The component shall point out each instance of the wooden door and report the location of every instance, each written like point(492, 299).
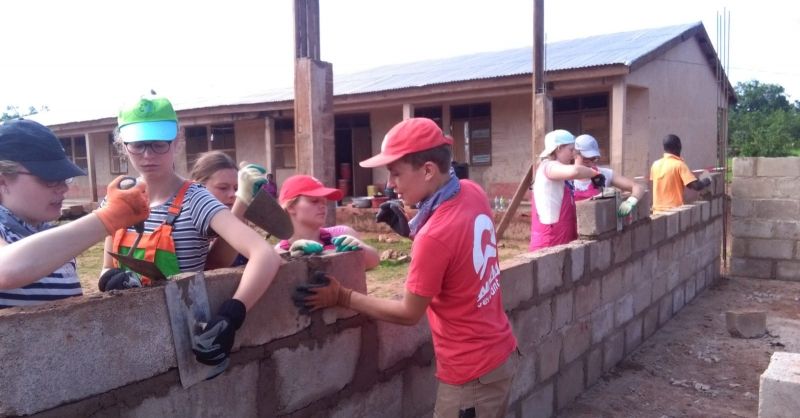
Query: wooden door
point(362, 149)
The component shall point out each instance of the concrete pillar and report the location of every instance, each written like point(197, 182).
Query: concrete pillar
point(618, 97)
point(269, 143)
point(408, 111)
point(313, 121)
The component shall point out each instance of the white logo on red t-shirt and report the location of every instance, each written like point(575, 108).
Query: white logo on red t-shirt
point(484, 258)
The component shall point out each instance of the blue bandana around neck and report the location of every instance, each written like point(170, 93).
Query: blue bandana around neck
point(427, 206)
point(18, 226)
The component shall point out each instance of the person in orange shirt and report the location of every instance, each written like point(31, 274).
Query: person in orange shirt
point(670, 175)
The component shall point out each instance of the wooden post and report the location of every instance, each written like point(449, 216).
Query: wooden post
point(408, 111)
point(313, 100)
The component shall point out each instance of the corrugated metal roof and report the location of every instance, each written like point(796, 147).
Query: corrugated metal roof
point(622, 48)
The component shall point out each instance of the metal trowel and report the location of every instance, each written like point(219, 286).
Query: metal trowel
point(189, 312)
point(267, 214)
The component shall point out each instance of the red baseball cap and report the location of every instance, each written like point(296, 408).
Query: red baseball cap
point(303, 185)
point(409, 136)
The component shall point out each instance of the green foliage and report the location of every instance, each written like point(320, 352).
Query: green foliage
point(763, 123)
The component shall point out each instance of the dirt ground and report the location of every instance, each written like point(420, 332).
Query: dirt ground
point(692, 367)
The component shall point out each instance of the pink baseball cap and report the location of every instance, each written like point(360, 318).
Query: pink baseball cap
point(409, 136)
point(304, 185)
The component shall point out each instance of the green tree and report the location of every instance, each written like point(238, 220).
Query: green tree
point(763, 122)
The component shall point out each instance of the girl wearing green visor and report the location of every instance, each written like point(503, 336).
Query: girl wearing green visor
point(183, 216)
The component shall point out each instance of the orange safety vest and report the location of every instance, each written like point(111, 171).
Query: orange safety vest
point(158, 246)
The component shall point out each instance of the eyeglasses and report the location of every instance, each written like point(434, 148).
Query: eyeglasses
point(50, 184)
point(139, 147)
point(592, 160)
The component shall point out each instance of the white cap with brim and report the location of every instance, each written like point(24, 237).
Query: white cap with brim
point(165, 130)
point(554, 139)
point(587, 146)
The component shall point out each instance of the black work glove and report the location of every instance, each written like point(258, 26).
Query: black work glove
point(302, 291)
point(705, 182)
point(213, 344)
point(599, 181)
point(118, 279)
point(392, 214)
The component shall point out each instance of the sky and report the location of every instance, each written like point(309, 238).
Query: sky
point(81, 55)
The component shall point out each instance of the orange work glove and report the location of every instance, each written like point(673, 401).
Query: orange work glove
point(324, 292)
point(123, 208)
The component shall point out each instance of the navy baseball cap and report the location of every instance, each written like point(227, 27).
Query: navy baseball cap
point(38, 150)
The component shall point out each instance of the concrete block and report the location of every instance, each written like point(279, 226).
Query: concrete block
point(678, 299)
point(596, 217)
point(612, 286)
point(381, 400)
point(705, 210)
point(577, 255)
point(748, 267)
point(697, 213)
point(778, 209)
point(539, 404)
point(569, 384)
point(62, 351)
point(665, 309)
point(659, 286)
point(743, 208)
point(577, 338)
point(633, 335)
point(602, 322)
point(348, 267)
point(644, 206)
point(524, 378)
point(650, 265)
point(202, 400)
point(587, 298)
point(641, 237)
point(744, 167)
point(622, 246)
point(673, 276)
point(642, 296)
point(689, 289)
point(788, 270)
point(563, 306)
point(785, 188)
point(739, 246)
point(614, 350)
point(650, 321)
point(632, 275)
point(516, 281)
point(327, 368)
point(419, 391)
point(548, 354)
point(599, 255)
point(752, 188)
point(549, 270)
point(786, 230)
point(778, 167)
point(718, 184)
point(623, 310)
point(685, 217)
point(746, 323)
point(594, 366)
point(658, 228)
point(396, 342)
point(686, 267)
point(274, 315)
point(752, 228)
point(531, 325)
point(673, 223)
point(779, 386)
point(716, 207)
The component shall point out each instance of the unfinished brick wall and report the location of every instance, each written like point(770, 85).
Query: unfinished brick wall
point(576, 310)
point(765, 223)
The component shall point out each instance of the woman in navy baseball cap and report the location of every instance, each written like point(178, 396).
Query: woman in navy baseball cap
point(37, 260)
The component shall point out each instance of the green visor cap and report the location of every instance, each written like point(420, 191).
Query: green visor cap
point(149, 119)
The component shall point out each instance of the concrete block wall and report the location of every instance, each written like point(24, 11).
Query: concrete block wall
point(765, 222)
point(577, 310)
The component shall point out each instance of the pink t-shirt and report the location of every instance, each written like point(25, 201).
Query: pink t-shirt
point(454, 261)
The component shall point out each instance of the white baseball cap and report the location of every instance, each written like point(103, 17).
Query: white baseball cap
point(554, 139)
point(587, 146)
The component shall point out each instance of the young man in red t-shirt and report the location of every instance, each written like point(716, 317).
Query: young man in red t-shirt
point(454, 274)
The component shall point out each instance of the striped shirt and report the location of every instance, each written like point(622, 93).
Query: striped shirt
point(191, 229)
point(60, 284)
